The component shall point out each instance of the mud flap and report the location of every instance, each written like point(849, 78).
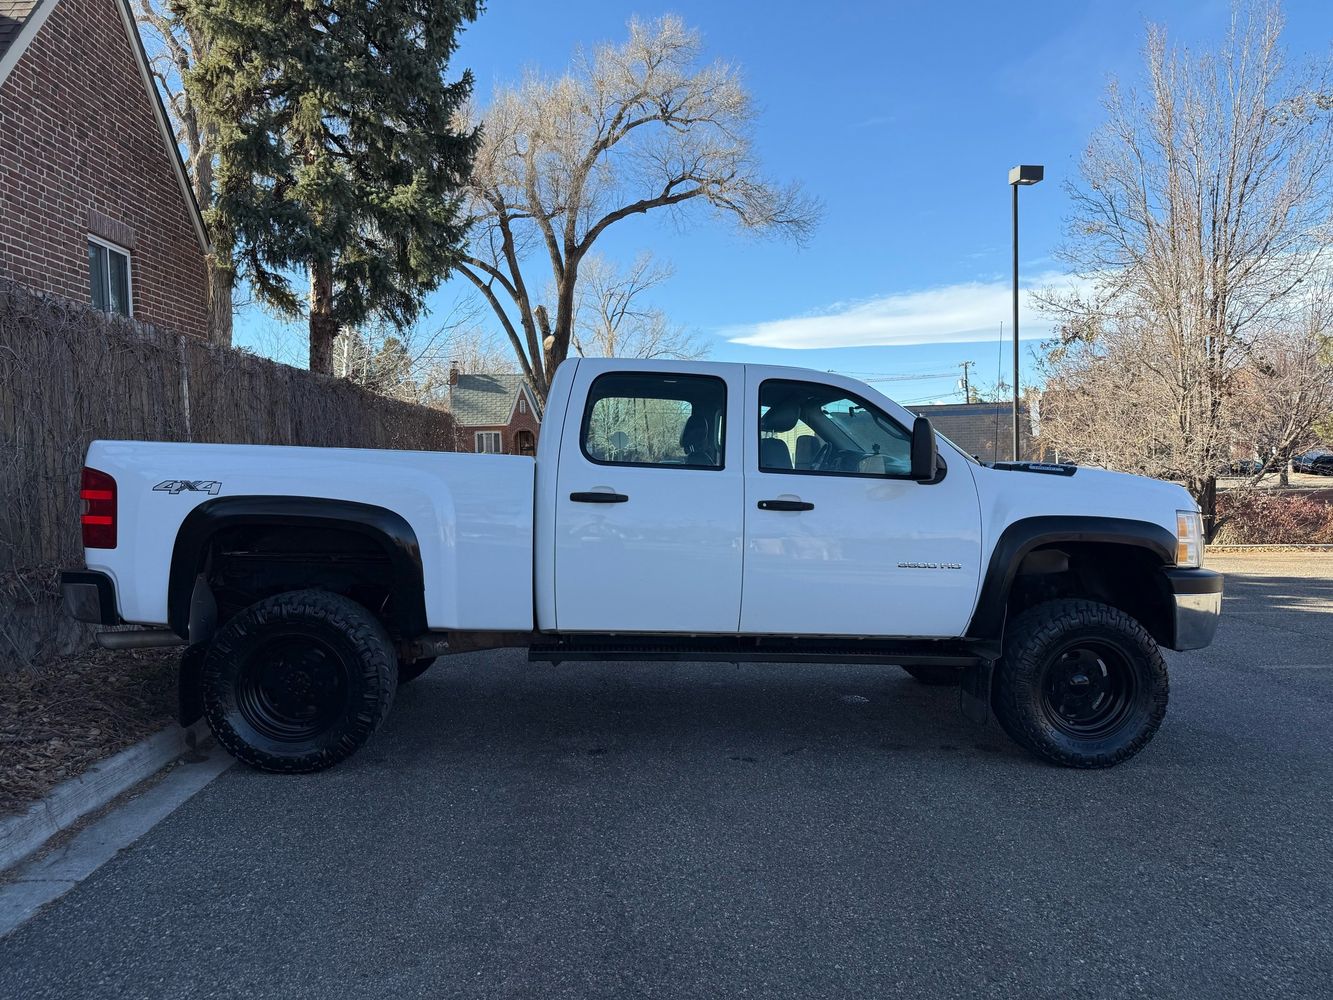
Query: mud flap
point(189, 686)
point(975, 689)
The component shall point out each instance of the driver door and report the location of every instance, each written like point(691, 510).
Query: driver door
point(838, 540)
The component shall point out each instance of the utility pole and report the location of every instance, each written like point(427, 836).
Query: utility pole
point(967, 388)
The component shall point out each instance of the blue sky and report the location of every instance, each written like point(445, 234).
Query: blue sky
point(903, 118)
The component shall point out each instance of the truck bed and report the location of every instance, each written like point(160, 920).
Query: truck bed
point(471, 516)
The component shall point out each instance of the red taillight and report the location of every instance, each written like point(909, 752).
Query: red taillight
point(97, 490)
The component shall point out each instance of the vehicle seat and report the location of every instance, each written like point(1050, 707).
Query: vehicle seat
point(696, 440)
point(773, 454)
point(807, 450)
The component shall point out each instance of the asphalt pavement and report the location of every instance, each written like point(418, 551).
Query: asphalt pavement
point(709, 830)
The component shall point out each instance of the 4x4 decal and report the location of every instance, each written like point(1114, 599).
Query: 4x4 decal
point(174, 486)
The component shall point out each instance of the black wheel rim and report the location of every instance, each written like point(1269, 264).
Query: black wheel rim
point(1089, 689)
point(292, 687)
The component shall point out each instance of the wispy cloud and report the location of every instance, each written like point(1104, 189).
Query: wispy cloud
point(948, 314)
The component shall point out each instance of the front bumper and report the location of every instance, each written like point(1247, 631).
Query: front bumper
point(1197, 604)
point(89, 597)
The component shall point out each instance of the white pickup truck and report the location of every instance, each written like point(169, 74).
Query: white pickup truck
point(675, 510)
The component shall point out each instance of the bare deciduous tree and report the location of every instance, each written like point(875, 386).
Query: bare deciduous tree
point(630, 129)
point(1288, 389)
point(172, 46)
point(612, 321)
point(1204, 206)
point(413, 364)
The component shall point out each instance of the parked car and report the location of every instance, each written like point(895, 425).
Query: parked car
point(675, 510)
point(1241, 467)
point(1313, 462)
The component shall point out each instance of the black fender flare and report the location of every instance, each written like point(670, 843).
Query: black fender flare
point(191, 613)
point(1026, 534)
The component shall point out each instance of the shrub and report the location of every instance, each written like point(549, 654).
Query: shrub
point(1272, 518)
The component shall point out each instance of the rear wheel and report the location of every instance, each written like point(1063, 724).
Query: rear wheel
point(298, 681)
point(1081, 684)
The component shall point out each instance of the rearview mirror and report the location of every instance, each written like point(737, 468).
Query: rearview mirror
point(924, 459)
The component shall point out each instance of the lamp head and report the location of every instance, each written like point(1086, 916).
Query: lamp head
point(1027, 173)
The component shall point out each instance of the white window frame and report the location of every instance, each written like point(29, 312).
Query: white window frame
point(129, 270)
point(497, 438)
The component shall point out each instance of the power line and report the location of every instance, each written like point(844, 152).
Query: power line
point(904, 378)
point(928, 399)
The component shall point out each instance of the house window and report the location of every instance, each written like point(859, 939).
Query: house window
point(488, 443)
point(522, 405)
point(109, 275)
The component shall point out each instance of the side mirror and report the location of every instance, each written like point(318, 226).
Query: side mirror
point(924, 459)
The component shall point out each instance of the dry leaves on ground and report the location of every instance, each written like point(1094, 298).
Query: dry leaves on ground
point(56, 723)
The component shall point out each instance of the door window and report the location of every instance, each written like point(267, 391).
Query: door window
point(811, 429)
point(655, 419)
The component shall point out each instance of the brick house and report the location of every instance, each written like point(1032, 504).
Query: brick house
point(983, 430)
point(496, 414)
point(95, 204)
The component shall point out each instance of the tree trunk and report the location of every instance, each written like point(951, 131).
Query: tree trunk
point(323, 327)
point(1208, 506)
point(564, 320)
point(220, 278)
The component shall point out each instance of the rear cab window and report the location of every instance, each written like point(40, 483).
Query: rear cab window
point(655, 420)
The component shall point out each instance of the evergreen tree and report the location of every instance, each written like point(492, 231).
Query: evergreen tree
point(338, 151)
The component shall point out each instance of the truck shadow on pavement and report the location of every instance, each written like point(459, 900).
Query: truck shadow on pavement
point(498, 703)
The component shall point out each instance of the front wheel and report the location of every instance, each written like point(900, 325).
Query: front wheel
point(298, 681)
point(1081, 684)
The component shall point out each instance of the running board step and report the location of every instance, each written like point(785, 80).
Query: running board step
point(759, 649)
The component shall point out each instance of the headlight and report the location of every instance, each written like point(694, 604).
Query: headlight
point(1189, 539)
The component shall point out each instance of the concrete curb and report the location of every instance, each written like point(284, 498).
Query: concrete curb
point(70, 801)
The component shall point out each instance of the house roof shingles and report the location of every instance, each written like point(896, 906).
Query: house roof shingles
point(13, 14)
point(484, 400)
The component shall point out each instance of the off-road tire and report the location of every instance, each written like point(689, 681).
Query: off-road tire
point(1038, 646)
point(935, 675)
point(327, 635)
point(410, 670)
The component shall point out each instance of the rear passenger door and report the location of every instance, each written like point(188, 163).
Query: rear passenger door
point(649, 494)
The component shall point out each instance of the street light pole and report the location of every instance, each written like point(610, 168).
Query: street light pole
point(1026, 175)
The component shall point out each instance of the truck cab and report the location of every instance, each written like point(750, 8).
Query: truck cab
point(745, 499)
point(674, 510)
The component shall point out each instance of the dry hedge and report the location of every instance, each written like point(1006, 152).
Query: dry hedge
point(70, 375)
point(1272, 517)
